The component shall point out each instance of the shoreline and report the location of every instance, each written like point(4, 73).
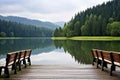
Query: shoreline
point(96, 38)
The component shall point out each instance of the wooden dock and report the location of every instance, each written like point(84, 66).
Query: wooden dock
point(64, 72)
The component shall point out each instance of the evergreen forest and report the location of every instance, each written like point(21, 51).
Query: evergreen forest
point(14, 29)
point(100, 20)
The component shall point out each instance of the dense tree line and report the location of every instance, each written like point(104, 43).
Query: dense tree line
point(100, 20)
point(14, 29)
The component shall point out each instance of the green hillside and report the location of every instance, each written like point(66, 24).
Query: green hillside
point(14, 29)
point(100, 20)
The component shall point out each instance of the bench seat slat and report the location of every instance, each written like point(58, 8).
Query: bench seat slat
point(2, 65)
point(108, 61)
point(100, 58)
point(117, 64)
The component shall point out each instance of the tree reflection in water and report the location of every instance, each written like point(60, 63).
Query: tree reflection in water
point(10, 45)
point(81, 50)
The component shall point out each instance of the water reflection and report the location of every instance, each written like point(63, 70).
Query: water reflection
point(68, 52)
point(10, 45)
point(57, 56)
point(81, 50)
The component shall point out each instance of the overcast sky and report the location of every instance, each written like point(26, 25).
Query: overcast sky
point(46, 10)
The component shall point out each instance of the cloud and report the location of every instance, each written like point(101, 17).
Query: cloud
point(46, 6)
point(50, 10)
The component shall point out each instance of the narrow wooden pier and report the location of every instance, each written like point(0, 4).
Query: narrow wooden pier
point(63, 72)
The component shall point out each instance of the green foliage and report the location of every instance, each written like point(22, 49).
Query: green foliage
point(94, 21)
point(108, 29)
point(14, 29)
point(12, 34)
point(114, 29)
point(77, 30)
point(111, 20)
point(58, 31)
point(2, 34)
point(83, 30)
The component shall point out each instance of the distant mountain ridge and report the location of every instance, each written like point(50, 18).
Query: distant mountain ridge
point(27, 21)
point(61, 24)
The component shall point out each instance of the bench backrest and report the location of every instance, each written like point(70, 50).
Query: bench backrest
point(18, 56)
point(27, 53)
point(116, 56)
point(94, 53)
point(99, 53)
point(22, 55)
point(106, 55)
point(11, 58)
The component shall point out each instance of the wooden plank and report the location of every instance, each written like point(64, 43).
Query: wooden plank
point(70, 72)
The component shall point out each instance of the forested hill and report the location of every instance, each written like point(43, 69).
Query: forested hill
point(14, 29)
point(27, 21)
point(100, 20)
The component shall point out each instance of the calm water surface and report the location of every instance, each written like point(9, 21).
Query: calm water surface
point(47, 51)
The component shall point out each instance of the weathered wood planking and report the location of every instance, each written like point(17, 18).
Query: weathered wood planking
point(69, 72)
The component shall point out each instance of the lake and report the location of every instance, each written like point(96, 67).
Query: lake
point(48, 51)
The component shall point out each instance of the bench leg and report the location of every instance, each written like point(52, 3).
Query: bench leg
point(29, 60)
point(104, 64)
point(19, 64)
point(102, 67)
point(15, 68)
point(94, 60)
point(98, 62)
point(0, 71)
point(6, 71)
point(24, 62)
point(111, 71)
point(12, 66)
point(113, 68)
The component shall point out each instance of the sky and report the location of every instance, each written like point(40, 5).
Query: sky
point(46, 10)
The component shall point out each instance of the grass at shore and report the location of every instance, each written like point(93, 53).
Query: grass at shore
point(97, 38)
point(25, 37)
point(10, 38)
point(88, 38)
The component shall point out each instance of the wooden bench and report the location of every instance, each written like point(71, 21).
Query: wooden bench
point(15, 59)
point(103, 58)
point(115, 57)
point(96, 56)
point(99, 56)
point(27, 56)
point(22, 56)
point(106, 58)
point(10, 61)
point(112, 58)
